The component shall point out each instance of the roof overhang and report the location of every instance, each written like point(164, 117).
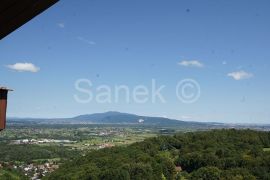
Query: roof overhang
point(15, 13)
point(5, 89)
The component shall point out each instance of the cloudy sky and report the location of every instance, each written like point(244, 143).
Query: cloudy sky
point(222, 45)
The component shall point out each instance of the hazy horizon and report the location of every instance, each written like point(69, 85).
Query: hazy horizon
point(186, 120)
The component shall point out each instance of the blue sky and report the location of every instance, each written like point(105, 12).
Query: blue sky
point(223, 45)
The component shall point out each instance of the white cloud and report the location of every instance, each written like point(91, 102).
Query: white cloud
point(224, 62)
point(86, 40)
point(24, 67)
point(192, 63)
point(61, 25)
point(239, 75)
point(186, 117)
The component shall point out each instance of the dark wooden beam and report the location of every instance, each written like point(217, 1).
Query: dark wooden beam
point(15, 13)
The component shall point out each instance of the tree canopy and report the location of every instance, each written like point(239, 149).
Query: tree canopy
point(206, 155)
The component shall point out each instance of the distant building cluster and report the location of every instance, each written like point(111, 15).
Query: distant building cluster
point(34, 171)
point(40, 141)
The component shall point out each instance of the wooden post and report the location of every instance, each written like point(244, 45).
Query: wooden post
point(3, 107)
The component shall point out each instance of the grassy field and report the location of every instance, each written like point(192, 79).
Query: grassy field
point(82, 139)
point(56, 144)
point(266, 149)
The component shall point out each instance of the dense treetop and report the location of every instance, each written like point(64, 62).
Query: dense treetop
point(216, 154)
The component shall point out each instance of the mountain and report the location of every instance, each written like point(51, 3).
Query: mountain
point(111, 117)
point(118, 118)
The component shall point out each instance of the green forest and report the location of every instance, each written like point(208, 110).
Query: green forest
point(207, 155)
point(26, 153)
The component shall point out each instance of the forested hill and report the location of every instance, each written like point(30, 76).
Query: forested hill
point(217, 154)
point(118, 118)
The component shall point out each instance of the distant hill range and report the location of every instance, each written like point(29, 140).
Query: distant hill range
point(118, 118)
point(125, 118)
